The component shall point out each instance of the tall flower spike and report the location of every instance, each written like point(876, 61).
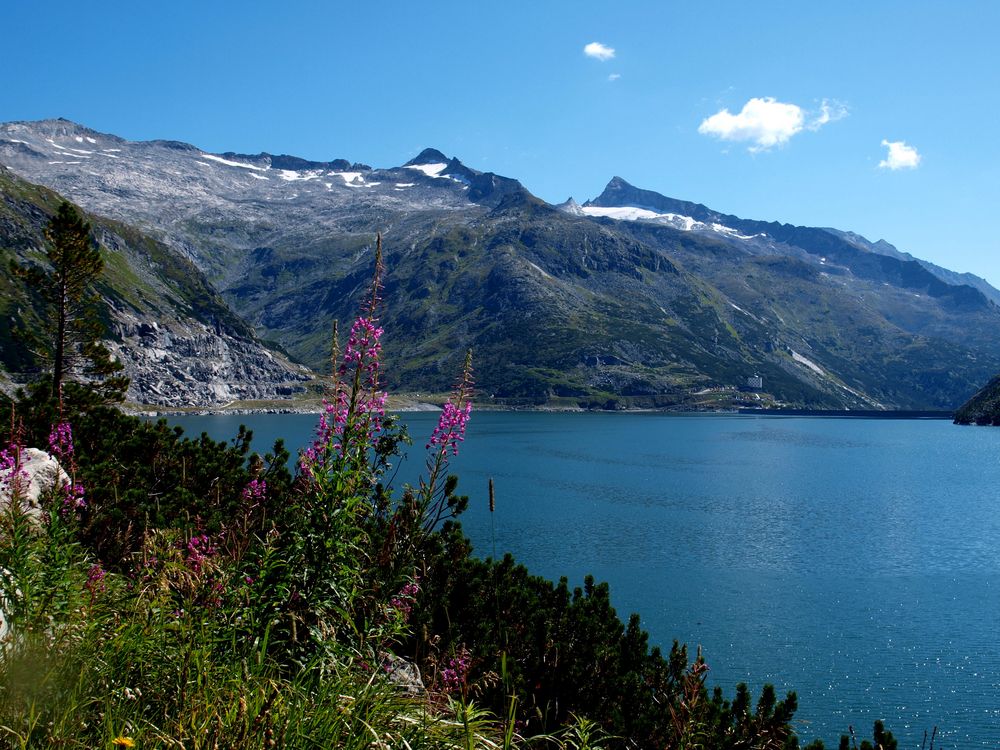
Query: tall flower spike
point(355, 409)
point(450, 430)
point(334, 358)
point(374, 300)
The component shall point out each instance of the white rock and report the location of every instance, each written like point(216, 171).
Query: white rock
point(39, 474)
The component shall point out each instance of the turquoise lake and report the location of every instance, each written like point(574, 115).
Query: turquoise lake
point(855, 561)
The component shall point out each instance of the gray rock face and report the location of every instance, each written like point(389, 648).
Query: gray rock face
point(190, 364)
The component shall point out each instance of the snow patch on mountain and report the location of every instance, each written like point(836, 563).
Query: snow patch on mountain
point(291, 175)
point(808, 363)
point(634, 213)
point(349, 177)
point(228, 163)
point(721, 229)
point(677, 221)
point(431, 170)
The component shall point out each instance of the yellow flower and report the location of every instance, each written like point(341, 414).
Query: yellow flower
point(123, 742)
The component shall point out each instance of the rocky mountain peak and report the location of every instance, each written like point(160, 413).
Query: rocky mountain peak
point(428, 156)
point(570, 206)
point(620, 193)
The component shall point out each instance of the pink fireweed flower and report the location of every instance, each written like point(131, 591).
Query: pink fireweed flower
point(456, 671)
point(254, 492)
point(354, 417)
point(61, 446)
point(61, 441)
point(199, 548)
point(13, 476)
point(73, 497)
point(9, 462)
point(95, 581)
point(403, 601)
point(450, 429)
point(342, 430)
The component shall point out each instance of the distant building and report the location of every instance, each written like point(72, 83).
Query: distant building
point(755, 383)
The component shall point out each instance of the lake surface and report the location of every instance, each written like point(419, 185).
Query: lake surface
point(855, 561)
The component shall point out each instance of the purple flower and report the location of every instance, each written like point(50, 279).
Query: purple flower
point(12, 475)
point(95, 581)
point(450, 430)
point(455, 673)
point(354, 418)
point(199, 549)
point(255, 491)
point(73, 497)
point(403, 601)
point(61, 441)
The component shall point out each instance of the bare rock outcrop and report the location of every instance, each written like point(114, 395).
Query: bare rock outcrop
point(191, 364)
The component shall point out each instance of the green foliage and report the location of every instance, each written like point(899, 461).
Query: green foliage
point(70, 338)
point(141, 475)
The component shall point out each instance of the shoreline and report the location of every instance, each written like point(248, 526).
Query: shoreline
point(407, 405)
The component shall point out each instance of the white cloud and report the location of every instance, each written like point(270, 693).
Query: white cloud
point(764, 121)
point(599, 51)
point(614, 76)
point(828, 112)
point(900, 156)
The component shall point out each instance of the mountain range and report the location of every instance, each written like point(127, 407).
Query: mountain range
point(630, 299)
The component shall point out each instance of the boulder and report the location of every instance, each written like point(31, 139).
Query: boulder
point(39, 473)
point(403, 673)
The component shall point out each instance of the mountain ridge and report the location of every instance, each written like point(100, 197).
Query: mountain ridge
point(631, 299)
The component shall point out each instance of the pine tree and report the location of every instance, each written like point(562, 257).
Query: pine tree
point(70, 339)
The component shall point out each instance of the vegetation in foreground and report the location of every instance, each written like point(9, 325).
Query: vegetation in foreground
point(187, 593)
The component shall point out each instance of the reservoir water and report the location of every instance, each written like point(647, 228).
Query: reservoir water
point(855, 561)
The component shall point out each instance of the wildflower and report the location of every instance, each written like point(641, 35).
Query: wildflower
point(12, 475)
point(61, 441)
point(73, 497)
point(456, 671)
point(403, 601)
point(61, 446)
point(95, 581)
point(450, 429)
point(199, 549)
point(353, 417)
point(255, 491)
point(122, 741)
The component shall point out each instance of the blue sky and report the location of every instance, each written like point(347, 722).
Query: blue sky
point(717, 102)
